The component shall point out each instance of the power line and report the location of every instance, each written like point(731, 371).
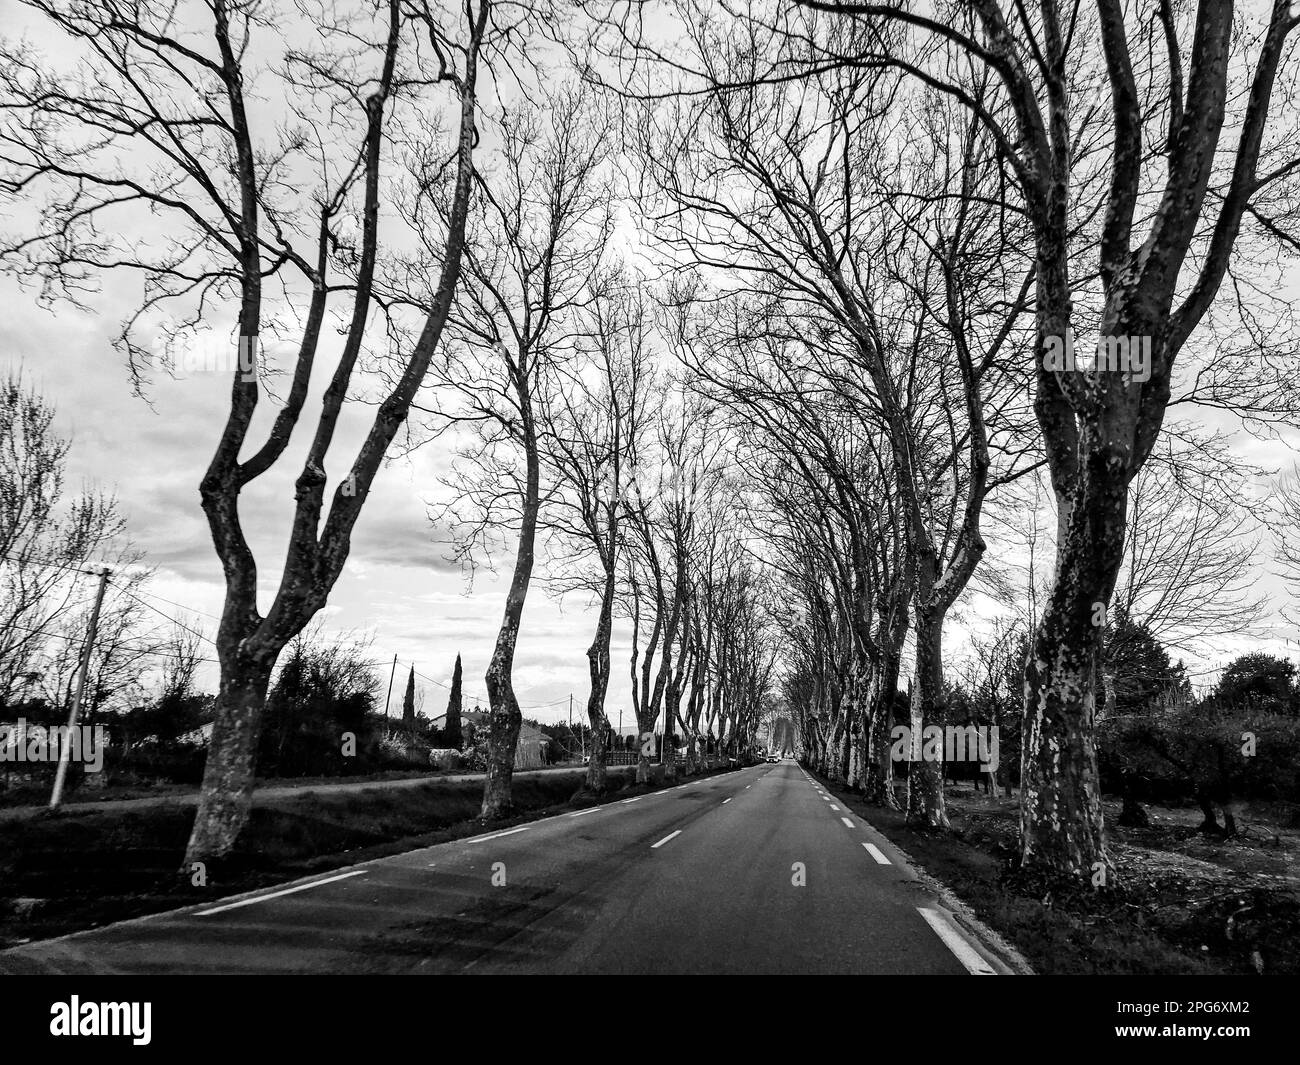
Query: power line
point(121, 646)
point(179, 606)
point(167, 617)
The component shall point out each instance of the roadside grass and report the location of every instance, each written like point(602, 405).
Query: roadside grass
point(1184, 904)
point(61, 872)
point(36, 791)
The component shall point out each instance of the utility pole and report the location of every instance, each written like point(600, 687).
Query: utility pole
point(60, 774)
point(571, 722)
point(389, 696)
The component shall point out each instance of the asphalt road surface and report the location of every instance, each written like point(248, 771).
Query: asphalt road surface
point(756, 871)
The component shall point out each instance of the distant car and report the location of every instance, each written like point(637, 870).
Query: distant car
point(773, 758)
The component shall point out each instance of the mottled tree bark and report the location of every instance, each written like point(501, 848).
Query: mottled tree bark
point(1061, 815)
point(925, 803)
point(504, 717)
point(599, 666)
point(226, 793)
point(879, 784)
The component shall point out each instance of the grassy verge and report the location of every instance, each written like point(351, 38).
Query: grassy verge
point(37, 792)
point(1184, 904)
point(62, 872)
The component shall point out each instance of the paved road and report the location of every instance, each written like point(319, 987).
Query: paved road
point(702, 878)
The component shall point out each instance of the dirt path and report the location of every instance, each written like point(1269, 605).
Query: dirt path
point(262, 795)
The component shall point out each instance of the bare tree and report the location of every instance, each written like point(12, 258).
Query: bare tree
point(594, 423)
point(533, 262)
point(1113, 83)
point(891, 264)
point(1186, 575)
point(46, 538)
point(158, 121)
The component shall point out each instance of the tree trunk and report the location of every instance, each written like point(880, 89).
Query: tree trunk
point(599, 667)
point(226, 794)
point(1209, 819)
point(857, 754)
point(645, 725)
point(1061, 823)
point(672, 702)
point(925, 803)
point(504, 717)
point(879, 786)
point(1229, 822)
point(504, 720)
point(1132, 814)
point(832, 754)
point(845, 751)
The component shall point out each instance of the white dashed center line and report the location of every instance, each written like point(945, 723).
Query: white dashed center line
point(666, 838)
point(835, 808)
point(847, 822)
point(725, 801)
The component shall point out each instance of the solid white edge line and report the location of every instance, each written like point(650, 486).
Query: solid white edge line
point(279, 894)
point(498, 835)
point(666, 838)
point(847, 822)
point(876, 853)
point(969, 957)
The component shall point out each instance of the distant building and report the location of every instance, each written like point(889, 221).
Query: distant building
point(199, 736)
point(533, 742)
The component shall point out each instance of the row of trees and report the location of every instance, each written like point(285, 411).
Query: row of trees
point(896, 222)
point(853, 240)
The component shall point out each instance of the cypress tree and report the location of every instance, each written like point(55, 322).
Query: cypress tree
point(452, 733)
point(408, 707)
